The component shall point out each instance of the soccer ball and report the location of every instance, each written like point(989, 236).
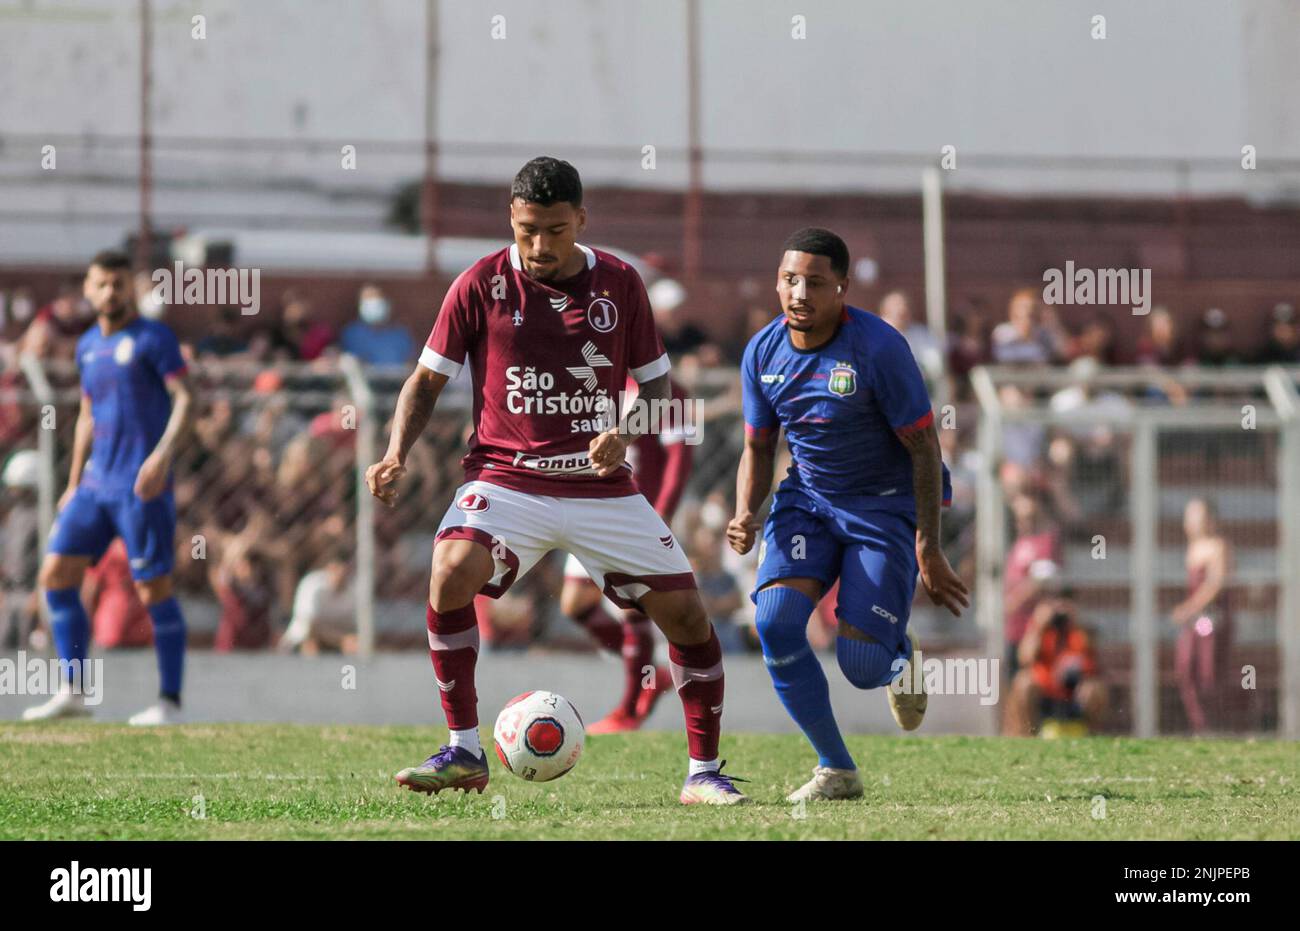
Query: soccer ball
point(539, 736)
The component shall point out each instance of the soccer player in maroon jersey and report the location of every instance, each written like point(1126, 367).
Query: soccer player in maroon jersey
point(661, 463)
point(550, 330)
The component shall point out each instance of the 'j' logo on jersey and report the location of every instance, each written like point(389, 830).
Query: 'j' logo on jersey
point(843, 380)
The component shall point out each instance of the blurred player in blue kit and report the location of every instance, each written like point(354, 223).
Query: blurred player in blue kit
point(136, 407)
point(860, 504)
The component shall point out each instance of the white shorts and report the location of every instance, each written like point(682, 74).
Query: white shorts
point(624, 545)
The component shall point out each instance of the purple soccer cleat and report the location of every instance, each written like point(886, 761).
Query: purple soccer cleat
point(712, 787)
point(449, 768)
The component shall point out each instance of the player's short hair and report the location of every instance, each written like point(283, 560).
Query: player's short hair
point(111, 260)
point(817, 241)
point(546, 181)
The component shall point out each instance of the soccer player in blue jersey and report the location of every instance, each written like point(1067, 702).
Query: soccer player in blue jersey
point(860, 503)
point(135, 409)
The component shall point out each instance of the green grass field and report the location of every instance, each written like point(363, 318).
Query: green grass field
point(80, 781)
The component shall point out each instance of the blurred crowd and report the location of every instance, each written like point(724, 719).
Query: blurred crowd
point(266, 488)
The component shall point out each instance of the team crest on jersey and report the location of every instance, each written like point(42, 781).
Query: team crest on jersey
point(124, 350)
point(473, 502)
point(843, 380)
point(602, 315)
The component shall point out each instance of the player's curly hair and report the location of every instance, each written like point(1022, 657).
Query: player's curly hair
point(817, 241)
point(546, 181)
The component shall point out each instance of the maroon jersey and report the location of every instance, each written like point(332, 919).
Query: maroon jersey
point(548, 362)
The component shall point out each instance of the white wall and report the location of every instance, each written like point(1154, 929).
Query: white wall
point(1176, 79)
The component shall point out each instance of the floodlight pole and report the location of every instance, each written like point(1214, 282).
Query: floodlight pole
point(693, 208)
point(144, 239)
point(429, 185)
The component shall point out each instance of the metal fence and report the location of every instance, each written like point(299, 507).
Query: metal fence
point(1109, 463)
point(271, 484)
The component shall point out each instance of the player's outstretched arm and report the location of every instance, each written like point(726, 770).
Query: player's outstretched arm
point(942, 584)
point(415, 406)
point(83, 434)
point(151, 480)
point(753, 482)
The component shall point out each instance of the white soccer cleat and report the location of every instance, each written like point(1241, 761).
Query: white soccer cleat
point(828, 784)
point(165, 711)
point(65, 704)
point(908, 701)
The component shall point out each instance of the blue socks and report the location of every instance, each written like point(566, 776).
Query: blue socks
point(867, 665)
point(69, 624)
point(169, 644)
point(782, 622)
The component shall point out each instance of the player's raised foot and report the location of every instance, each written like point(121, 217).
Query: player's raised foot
point(907, 698)
point(828, 784)
point(449, 768)
point(646, 701)
point(713, 787)
point(617, 721)
point(165, 711)
point(63, 704)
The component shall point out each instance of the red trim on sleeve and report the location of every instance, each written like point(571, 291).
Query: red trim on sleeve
point(177, 373)
point(758, 433)
point(920, 424)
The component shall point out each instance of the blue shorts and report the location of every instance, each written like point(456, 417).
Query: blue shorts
point(89, 522)
point(872, 553)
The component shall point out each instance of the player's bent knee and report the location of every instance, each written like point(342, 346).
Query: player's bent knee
point(460, 569)
point(577, 598)
point(59, 572)
point(680, 615)
point(154, 591)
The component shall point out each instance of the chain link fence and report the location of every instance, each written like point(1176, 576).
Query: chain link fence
point(1120, 492)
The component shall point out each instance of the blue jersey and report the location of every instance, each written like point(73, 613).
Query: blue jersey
point(124, 375)
point(843, 407)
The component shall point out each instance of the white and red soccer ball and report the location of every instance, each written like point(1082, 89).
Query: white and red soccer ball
point(539, 736)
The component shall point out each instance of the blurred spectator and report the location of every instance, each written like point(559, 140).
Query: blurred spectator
point(147, 302)
point(1033, 561)
point(53, 334)
point(1096, 341)
point(1204, 617)
point(1161, 345)
point(966, 346)
point(225, 339)
point(1024, 338)
point(1216, 347)
point(324, 610)
point(19, 309)
point(666, 297)
point(118, 617)
point(336, 427)
point(371, 338)
point(270, 419)
point(1022, 441)
point(1282, 347)
point(298, 335)
point(19, 554)
point(718, 588)
point(245, 587)
point(897, 312)
point(1058, 672)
